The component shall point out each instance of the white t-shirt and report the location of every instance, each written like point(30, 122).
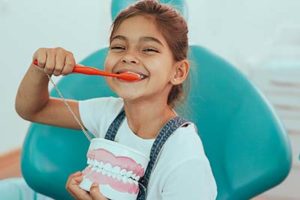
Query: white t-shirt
point(182, 170)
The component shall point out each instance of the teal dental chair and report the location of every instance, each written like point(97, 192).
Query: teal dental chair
point(245, 142)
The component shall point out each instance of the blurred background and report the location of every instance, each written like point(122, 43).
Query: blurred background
point(260, 37)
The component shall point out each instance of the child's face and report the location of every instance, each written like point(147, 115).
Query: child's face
point(138, 46)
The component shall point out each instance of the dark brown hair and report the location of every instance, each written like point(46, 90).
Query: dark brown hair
point(173, 28)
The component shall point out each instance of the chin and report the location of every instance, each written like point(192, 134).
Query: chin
point(128, 97)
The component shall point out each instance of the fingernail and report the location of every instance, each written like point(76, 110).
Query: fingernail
point(94, 185)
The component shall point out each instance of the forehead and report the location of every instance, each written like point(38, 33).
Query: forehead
point(139, 26)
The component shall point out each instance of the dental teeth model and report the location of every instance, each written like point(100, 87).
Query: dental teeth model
point(115, 167)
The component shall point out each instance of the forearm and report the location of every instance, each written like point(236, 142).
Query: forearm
point(33, 93)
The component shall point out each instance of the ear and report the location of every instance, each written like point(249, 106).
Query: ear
point(181, 71)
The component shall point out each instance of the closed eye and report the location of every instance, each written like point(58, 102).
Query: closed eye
point(150, 50)
point(117, 48)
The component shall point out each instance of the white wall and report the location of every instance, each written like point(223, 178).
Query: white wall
point(240, 31)
point(79, 26)
point(234, 29)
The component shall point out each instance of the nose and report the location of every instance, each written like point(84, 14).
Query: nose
point(130, 59)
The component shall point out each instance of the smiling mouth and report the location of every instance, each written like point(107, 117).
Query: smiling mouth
point(141, 75)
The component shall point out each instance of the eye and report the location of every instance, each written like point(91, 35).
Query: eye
point(117, 48)
point(150, 50)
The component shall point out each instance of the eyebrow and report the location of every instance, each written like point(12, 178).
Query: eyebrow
point(142, 39)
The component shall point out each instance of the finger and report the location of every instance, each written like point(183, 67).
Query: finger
point(69, 64)
point(74, 189)
point(79, 193)
point(95, 193)
point(78, 179)
point(59, 61)
point(76, 174)
point(50, 61)
point(40, 56)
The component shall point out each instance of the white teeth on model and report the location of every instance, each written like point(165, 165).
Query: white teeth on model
point(119, 178)
point(107, 167)
point(130, 181)
point(113, 171)
point(123, 172)
point(116, 170)
point(129, 174)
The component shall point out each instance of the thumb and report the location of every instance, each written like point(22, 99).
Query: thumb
point(95, 193)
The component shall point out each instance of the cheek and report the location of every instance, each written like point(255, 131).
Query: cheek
point(109, 62)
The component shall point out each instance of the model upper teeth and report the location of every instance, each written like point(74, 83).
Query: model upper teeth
point(112, 171)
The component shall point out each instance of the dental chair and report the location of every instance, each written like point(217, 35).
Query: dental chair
point(245, 142)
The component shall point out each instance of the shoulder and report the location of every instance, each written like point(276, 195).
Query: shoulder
point(183, 146)
point(110, 105)
point(98, 113)
point(183, 167)
point(102, 102)
point(185, 142)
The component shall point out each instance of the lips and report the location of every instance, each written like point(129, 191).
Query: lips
point(141, 74)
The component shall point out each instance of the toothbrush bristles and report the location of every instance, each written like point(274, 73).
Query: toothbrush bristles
point(130, 76)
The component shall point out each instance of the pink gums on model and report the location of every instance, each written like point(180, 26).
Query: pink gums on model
point(102, 155)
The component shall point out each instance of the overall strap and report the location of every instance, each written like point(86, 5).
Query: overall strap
point(114, 126)
point(162, 137)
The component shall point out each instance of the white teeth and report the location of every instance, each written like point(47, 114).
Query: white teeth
point(123, 172)
point(101, 164)
point(96, 164)
point(129, 174)
point(142, 76)
point(107, 167)
point(133, 176)
point(94, 168)
point(125, 179)
point(130, 180)
point(119, 178)
point(115, 172)
point(89, 161)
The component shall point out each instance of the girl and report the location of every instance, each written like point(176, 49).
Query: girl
point(149, 39)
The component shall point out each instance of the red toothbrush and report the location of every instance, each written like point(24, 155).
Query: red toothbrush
point(94, 71)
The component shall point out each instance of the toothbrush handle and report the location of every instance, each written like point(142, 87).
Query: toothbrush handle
point(91, 71)
point(87, 70)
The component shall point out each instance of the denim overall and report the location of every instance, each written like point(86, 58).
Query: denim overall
point(162, 137)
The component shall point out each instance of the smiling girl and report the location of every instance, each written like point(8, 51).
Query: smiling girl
point(149, 39)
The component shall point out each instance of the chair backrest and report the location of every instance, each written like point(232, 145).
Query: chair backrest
point(248, 149)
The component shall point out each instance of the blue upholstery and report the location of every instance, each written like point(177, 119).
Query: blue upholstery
point(248, 149)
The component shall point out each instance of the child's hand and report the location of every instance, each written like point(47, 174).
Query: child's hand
point(57, 61)
point(73, 188)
